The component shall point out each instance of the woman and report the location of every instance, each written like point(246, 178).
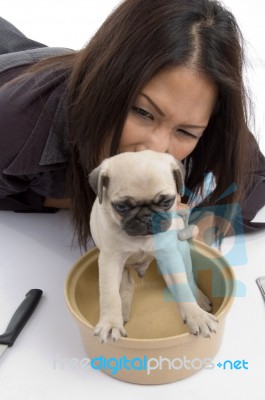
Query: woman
point(158, 74)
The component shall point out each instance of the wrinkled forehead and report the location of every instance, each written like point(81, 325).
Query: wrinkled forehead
point(141, 183)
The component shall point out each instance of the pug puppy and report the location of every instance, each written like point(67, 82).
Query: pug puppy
point(133, 189)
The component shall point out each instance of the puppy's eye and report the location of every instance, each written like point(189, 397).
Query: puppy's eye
point(166, 204)
point(121, 208)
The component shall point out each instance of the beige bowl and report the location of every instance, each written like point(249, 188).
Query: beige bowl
point(159, 349)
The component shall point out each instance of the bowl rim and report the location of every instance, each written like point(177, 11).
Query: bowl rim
point(79, 266)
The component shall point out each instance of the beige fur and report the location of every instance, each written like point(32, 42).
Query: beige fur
point(142, 177)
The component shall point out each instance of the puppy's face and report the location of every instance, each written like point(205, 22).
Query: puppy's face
point(137, 190)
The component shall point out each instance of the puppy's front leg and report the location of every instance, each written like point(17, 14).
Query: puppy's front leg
point(126, 292)
point(170, 256)
point(199, 321)
point(110, 325)
point(203, 301)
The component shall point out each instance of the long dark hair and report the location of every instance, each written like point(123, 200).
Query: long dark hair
point(137, 40)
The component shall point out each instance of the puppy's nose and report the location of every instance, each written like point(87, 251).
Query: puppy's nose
point(145, 219)
point(144, 214)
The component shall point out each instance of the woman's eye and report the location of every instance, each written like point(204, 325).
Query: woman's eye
point(121, 208)
point(142, 113)
point(186, 133)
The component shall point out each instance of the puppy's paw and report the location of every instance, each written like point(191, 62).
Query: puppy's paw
point(199, 322)
point(109, 330)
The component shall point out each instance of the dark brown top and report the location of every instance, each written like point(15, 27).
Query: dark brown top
point(34, 145)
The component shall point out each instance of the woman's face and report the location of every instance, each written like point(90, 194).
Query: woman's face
point(170, 113)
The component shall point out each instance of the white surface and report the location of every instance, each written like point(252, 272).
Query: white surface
point(36, 252)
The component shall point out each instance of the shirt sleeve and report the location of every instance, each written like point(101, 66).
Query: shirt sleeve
point(25, 122)
point(255, 198)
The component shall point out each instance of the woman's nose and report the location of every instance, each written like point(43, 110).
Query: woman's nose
point(160, 141)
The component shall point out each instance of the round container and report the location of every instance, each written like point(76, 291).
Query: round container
point(159, 349)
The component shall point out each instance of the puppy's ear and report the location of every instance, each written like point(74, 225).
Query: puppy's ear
point(179, 175)
point(98, 179)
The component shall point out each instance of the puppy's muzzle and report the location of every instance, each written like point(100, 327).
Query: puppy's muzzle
point(145, 222)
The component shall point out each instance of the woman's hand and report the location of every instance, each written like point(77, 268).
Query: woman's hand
point(57, 203)
point(190, 231)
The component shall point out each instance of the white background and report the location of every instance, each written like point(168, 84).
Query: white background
point(36, 252)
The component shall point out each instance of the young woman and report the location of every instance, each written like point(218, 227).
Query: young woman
point(159, 74)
